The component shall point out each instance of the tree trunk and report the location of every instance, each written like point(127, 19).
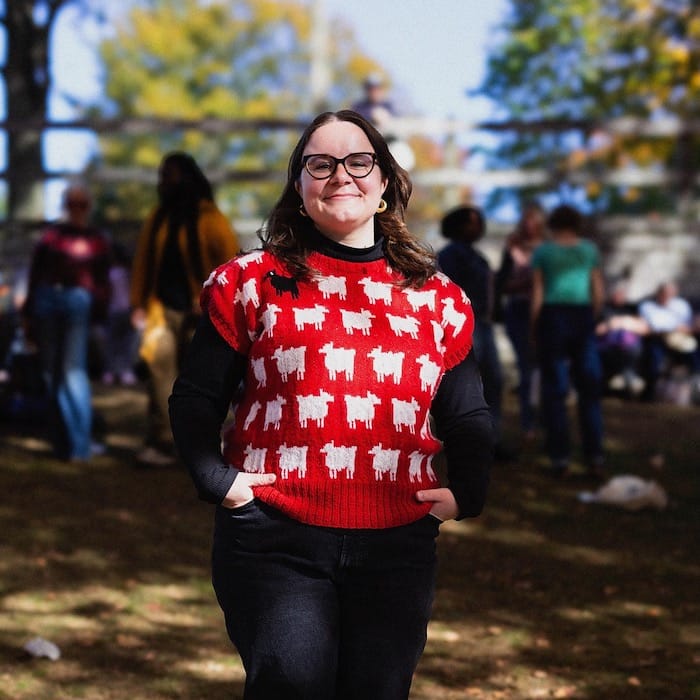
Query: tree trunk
point(27, 84)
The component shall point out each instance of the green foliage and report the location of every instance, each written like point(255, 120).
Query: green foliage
point(241, 59)
point(596, 60)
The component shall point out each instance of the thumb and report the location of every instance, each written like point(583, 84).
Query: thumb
point(263, 479)
point(424, 496)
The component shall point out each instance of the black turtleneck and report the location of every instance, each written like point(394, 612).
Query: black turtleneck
point(212, 372)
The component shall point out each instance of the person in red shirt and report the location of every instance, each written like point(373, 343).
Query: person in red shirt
point(68, 290)
point(347, 359)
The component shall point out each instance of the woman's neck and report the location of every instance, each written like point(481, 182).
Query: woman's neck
point(566, 237)
point(343, 251)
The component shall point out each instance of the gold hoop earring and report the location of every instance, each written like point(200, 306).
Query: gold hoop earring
point(302, 211)
point(382, 206)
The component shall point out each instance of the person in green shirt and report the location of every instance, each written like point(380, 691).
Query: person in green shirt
point(567, 298)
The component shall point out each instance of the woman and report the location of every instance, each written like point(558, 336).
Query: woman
point(183, 239)
point(514, 286)
point(344, 338)
point(68, 290)
point(567, 298)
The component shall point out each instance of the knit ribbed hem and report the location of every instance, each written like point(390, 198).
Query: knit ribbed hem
point(349, 504)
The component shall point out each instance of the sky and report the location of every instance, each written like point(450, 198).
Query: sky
point(433, 50)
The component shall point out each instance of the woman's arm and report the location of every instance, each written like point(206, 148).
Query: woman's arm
point(597, 291)
point(537, 296)
point(463, 423)
point(212, 371)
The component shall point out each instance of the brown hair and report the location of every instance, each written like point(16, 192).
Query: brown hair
point(287, 234)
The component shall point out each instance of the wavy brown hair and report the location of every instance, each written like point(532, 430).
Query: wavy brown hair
point(288, 234)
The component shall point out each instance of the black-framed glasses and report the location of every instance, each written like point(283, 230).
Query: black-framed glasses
point(321, 166)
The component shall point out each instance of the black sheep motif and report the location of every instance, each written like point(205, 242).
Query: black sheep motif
point(282, 284)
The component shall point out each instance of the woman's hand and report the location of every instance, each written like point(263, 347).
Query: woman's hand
point(241, 491)
point(443, 500)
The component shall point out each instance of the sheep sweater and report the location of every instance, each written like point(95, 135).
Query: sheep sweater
point(342, 370)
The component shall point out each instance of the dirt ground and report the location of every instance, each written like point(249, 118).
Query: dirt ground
point(542, 597)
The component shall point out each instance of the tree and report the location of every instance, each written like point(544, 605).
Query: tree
point(28, 29)
point(241, 59)
point(596, 61)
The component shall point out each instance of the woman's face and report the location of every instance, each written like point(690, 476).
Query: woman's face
point(342, 206)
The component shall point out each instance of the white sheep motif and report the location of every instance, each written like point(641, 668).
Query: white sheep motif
point(252, 414)
point(357, 320)
point(269, 319)
point(273, 412)
point(254, 460)
point(429, 373)
point(361, 408)
point(418, 298)
point(314, 407)
point(405, 414)
point(376, 291)
point(451, 316)
point(386, 363)
point(339, 458)
point(312, 316)
point(332, 285)
point(248, 293)
point(384, 462)
point(290, 360)
point(403, 324)
point(339, 360)
point(292, 459)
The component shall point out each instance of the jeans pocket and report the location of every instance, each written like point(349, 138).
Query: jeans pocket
point(242, 509)
point(252, 527)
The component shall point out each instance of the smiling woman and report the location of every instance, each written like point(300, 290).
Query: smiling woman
point(328, 505)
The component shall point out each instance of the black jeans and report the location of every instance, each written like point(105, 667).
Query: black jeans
point(324, 614)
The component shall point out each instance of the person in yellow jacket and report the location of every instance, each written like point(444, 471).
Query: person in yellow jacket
point(183, 239)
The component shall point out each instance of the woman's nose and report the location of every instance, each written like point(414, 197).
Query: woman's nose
point(340, 175)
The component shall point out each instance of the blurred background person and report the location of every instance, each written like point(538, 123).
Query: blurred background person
point(619, 335)
point(468, 268)
point(567, 296)
point(380, 111)
point(120, 339)
point(671, 340)
point(375, 106)
point(68, 290)
point(513, 301)
point(183, 239)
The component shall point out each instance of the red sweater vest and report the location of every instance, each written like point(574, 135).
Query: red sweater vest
point(341, 375)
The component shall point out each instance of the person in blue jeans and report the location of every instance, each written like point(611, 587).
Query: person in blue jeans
point(567, 298)
point(68, 289)
point(513, 284)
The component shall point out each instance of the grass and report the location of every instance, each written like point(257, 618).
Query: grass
point(541, 597)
